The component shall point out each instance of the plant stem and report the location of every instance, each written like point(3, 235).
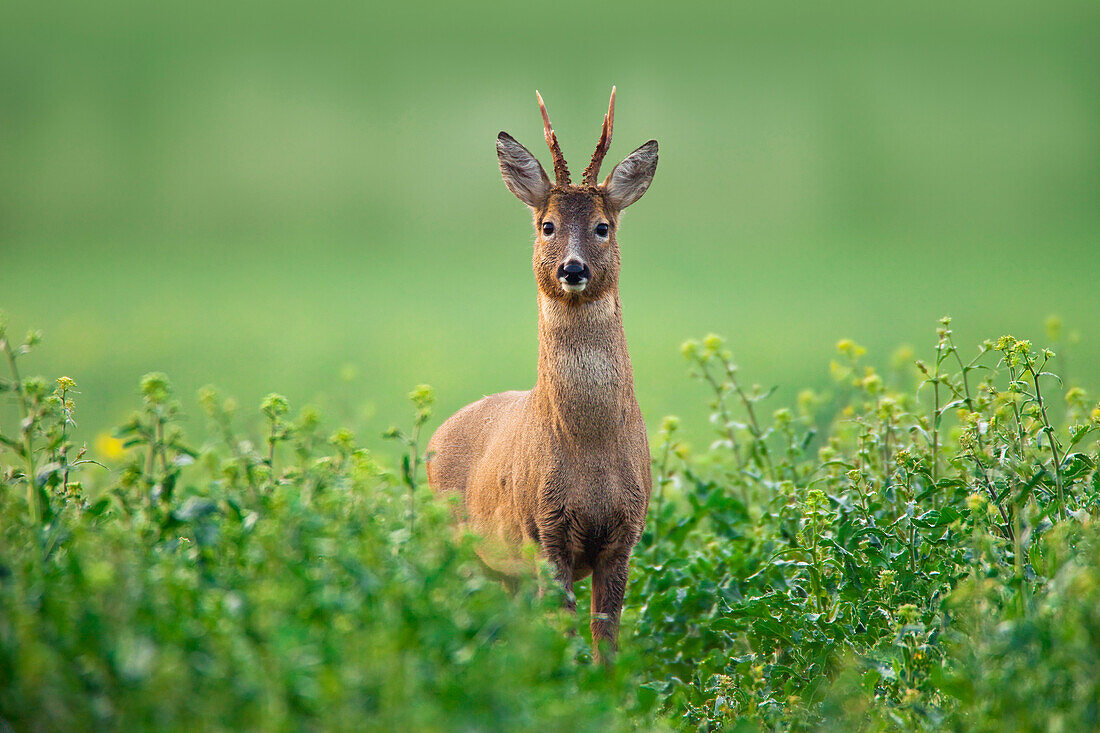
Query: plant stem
point(25, 427)
point(662, 479)
point(63, 449)
point(757, 433)
point(816, 574)
point(1049, 429)
point(723, 412)
point(936, 426)
point(226, 427)
point(1007, 531)
point(414, 467)
point(912, 547)
point(1016, 413)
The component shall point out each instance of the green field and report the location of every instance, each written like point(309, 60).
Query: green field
point(304, 199)
point(931, 566)
point(311, 203)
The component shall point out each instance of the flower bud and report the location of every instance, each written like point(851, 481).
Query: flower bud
point(422, 395)
point(1053, 328)
point(155, 387)
point(343, 439)
point(35, 387)
point(208, 400)
point(850, 348)
point(274, 406)
point(976, 502)
point(712, 342)
point(908, 613)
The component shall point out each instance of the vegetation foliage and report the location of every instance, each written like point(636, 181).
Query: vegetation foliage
point(917, 550)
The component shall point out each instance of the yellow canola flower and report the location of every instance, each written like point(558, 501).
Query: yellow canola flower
point(712, 342)
point(109, 446)
point(850, 348)
point(903, 357)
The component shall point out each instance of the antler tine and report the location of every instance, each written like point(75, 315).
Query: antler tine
point(561, 170)
point(592, 172)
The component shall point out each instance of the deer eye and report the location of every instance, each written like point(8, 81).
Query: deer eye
point(548, 228)
point(601, 229)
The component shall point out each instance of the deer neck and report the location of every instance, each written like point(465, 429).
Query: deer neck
point(585, 383)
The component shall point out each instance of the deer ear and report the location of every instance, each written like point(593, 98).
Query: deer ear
point(522, 172)
point(630, 178)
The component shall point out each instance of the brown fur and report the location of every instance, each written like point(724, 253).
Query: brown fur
point(566, 464)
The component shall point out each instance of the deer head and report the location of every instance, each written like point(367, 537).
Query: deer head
point(576, 251)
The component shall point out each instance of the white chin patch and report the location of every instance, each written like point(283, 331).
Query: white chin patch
point(573, 288)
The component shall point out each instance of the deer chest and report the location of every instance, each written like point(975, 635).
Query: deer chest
point(592, 506)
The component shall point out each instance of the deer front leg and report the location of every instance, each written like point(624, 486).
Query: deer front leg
point(608, 587)
point(561, 560)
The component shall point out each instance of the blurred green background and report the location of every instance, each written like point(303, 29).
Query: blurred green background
point(304, 198)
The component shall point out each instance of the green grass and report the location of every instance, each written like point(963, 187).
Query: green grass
point(915, 550)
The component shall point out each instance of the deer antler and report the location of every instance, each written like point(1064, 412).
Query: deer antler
point(561, 170)
point(592, 172)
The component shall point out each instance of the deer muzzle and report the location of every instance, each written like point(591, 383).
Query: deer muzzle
point(573, 276)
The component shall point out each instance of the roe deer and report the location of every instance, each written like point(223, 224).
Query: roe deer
point(565, 464)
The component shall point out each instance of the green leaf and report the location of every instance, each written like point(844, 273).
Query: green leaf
point(98, 508)
point(937, 518)
point(194, 508)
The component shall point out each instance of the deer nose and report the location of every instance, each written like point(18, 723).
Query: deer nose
point(573, 272)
